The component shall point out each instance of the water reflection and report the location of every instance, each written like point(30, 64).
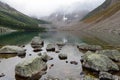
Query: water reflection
point(17, 38)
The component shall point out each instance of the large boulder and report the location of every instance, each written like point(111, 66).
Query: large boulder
point(30, 67)
point(37, 42)
point(86, 47)
point(98, 62)
point(12, 50)
point(108, 76)
point(112, 54)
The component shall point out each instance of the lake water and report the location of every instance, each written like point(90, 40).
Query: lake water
point(61, 69)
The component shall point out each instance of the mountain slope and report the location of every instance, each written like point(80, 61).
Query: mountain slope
point(107, 9)
point(104, 18)
point(66, 15)
point(11, 18)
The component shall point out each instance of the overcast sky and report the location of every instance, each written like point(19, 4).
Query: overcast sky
point(45, 7)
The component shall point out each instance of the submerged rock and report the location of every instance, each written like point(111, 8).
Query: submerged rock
point(37, 42)
point(108, 76)
point(51, 47)
point(12, 50)
point(98, 62)
point(30, 67)
point(62, 56)
point(86, 47)
point(112, 54)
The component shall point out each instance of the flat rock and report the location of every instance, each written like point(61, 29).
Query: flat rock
point(112, 54)
point(30, 67)
point(12, 50)
point(98, 62)
point(86, 47)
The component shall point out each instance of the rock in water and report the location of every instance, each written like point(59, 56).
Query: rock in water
point(30, 67)
point(51, 47)
point(62, 56)
point(87, 47)
point(112, 54)
point(98, 62)
point(46, 57)
point(12, 50)
point(37, 42)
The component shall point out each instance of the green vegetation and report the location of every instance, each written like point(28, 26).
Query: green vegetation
point(13, 19)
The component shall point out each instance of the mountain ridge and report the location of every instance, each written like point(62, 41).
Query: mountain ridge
point(13, 19)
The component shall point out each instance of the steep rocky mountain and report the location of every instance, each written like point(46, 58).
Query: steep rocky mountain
point(13, 19)
point(105, 18)
point(65, 16)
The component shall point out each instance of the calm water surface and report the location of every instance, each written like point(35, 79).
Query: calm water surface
point(61, 69)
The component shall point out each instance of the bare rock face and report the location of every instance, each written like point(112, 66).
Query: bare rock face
point(12, 50)
point(30, 67)
point(99, 62)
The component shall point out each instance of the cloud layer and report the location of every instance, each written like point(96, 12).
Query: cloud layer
point(40, 8)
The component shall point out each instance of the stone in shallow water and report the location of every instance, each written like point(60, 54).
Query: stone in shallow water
point(51, 47)
point(87, 47)
point(37, 49)
point(37, 42)
point(98, 62)
point(62, 56)
point(30, 67)
point(12, 50)
point(46, 57)
point(112, 54)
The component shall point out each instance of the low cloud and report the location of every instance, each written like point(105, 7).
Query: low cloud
point(40, 8)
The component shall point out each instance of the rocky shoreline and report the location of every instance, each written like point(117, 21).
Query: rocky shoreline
point(95, 58)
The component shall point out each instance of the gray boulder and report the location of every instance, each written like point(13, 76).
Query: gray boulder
point(37, 42)
point(112, 54)
point(30, 67)
point(86, 47)
point(108, 76)
point(62, 56)
point(12, 50)
point(51, 47)
point(98, 62)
